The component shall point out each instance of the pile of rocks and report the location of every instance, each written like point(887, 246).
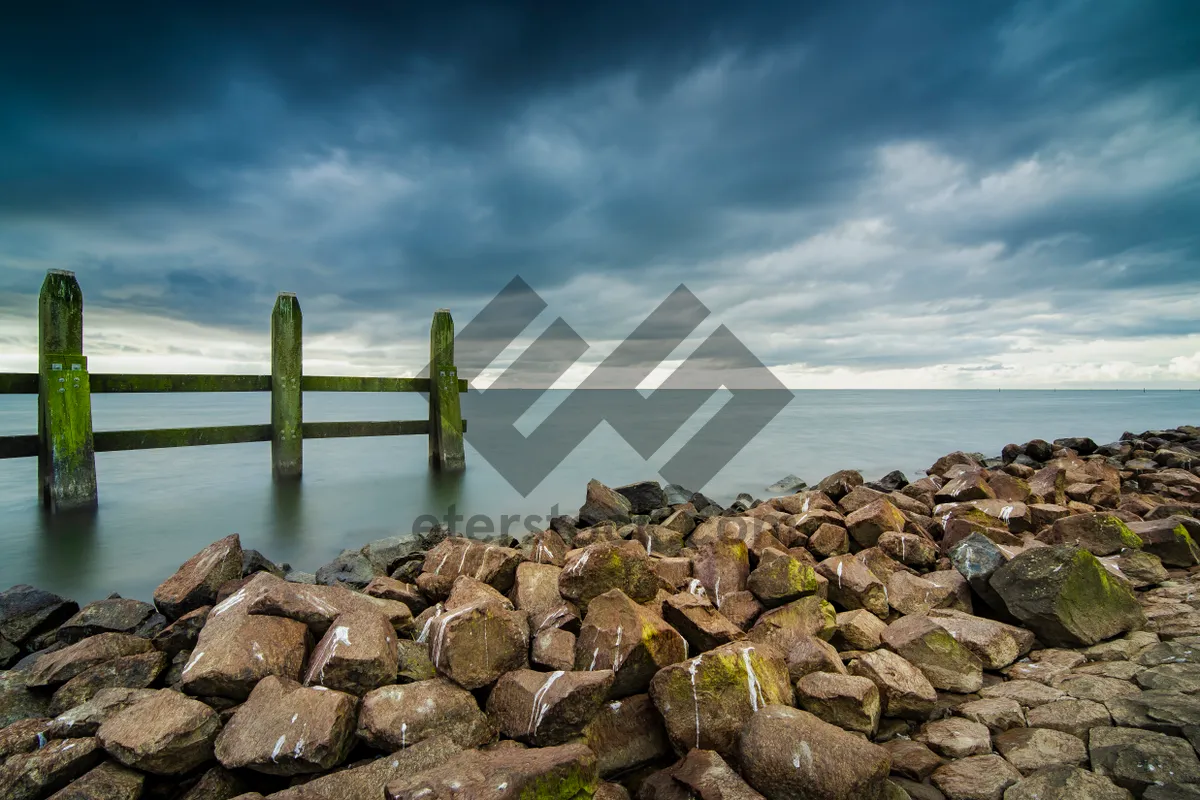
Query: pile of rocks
point(1022, 627)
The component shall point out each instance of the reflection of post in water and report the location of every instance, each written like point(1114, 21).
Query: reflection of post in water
point(442, 490)
point(286, 521)
point(66, 548)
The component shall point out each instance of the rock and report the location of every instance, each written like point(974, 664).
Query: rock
point(955, 737)
point(1066, 596)
point(236, 650)
point(600, 568)
point(1169, 539)
point(602, 504)
point(1095, 687)
point(1069, 715)
point(26, 612)
point(1066, 783)
point(859, 630)
point(829, 540)
point(62, 665)
point(351, 568)
point(705, 701)
point(676, 572)
point(711, 778)
point(1162, 712)
point(217, 783)
point(315, 606)
point(396, 717)
point(1171, 677)
point(195, 584)
point(658, 540)
point(108, 781)
point(476, 644)
point(620, 635)
point(368, 780)
point(36, 774)
point(166, 734)
point(779, 579)
point(809, 654)
point(85, 719)
point(912, 759)
point(904, 690)
point(1136, 759)
point(969, 485)
point(643, 497)
point(789, 484)
point(23, 736)
point(997, 713)
point(934, 650)
point(358, 653)
point(871, 521)
point(547, 709)
point(182, 634)
point(553, 649)
point(977, 558)
point(568, 771)
point(995, 644)
point(625, 734)
point(1139, 568)
point(859, 497)
point(908, 548)
point(131, 672)
point(910, 594)
point(1099, 533)
point(699, 622)
point(1028, 693)
point(488, 563)
point(391, 589)
point(284, 728)
point(115, 615)
point(788, 754)
point(1031, 749)
point(851, 703)
point(976, 778)
point(852, 585)
point(784, 626)
point(742, 609)
point(722, 567)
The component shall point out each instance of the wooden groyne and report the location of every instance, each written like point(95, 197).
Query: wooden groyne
point(65, 444)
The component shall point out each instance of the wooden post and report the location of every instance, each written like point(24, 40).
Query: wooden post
point(445, 414)
point(66, 454)
point(287, 400)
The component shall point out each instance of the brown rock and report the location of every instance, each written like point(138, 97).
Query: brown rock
point(195, 584)
point(809, 654)
point(1031, 749)
point(166, 734)
point(284, 728)
point(699, 622)
point(779, 579)
point(997, 713)
point(358, 653)
point(946, 663)
point(396, 717)
point(488, 563)
point(995, 644)
point(553, 649)
point(851, 703)
point(109, 781)
point(181, 634)
point(852, 585)
point(535, 590)
point(870, 522)
point(783, 627)
point(627, 733)
point(315, 606)
point(711, 778)
point(955, 737)
point(904, 691)
point(970, 485)
point(131, 672)
point(567, 771)
point(236, 650)
point(36, 774)
point(599, 568)
point(85, 719)
point(546, 547)
point(908, 548)
point(476, 644)
point(1066, 783)
point(722, 567)
point(912, 759)
point(1069, 715)
point(113, 615)
point(386, 588)
point(976, 778)
point(1100, 533)
point(1028, 693)
point(62, 665)
point(368, 780)
point(859, 630)
point(829, 540)
point(741, 608)
point(620, 635)
point(547, 709)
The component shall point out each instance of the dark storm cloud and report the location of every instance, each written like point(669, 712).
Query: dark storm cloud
point(404, 157)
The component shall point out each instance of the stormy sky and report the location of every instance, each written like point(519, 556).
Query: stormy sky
point(885, 194)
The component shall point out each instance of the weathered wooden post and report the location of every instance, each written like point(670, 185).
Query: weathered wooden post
point(445, 414)
point(66, 454)
point(287, 401)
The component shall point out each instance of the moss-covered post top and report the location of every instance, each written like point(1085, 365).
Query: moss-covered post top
point(60, 314)
point(445, 412)
point(287, 444)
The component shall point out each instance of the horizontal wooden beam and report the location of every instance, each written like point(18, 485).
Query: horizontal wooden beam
point(111, 383)
point(338, 383)
point(339, 430)
point(18, 383)
point(18, 446)
point(109, 441)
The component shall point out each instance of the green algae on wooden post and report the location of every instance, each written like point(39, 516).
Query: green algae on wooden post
point(287, 397)
point(66, 455)
point(445, 414)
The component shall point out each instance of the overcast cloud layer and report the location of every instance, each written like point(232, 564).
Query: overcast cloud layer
point(937, 195)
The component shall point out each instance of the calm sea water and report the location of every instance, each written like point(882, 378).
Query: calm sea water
point(158, 507)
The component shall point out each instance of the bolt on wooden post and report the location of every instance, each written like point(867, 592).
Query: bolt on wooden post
point(287, 400)
point(66, 450)
point(445, 413)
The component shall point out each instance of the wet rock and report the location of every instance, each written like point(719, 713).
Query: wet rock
point(195, 584)
point(396, 717)
point(1099, 533)
point(873, 520)
point(1136, 759)
point(600, 568)
point(1031, 749)
point(852, 585)
point(26, 612)
point(36, 774)
point(999, 714)
point(708, 775)
point(547, 709)
point(808, 654)
point(62, 665)
point(131, 672)
point(568, 771)
point(1066, 783)
point(859, 630)
point(955, 737)
point(108, 781)
point(851, 703)
point(476, 644)
point(165, 734)
point(705, 701)
point(699, 622)
point(904, 690)
point(1065, 596)
point(976, 778)
point(284, 728)
point(236, 650)
point(488, 563)
point(620, 635)
point(603, 504)
point(182, 634)
point(787, 754)
point(946, 663)
point(116, 615)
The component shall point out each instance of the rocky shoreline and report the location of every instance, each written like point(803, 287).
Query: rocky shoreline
point(1008, 628)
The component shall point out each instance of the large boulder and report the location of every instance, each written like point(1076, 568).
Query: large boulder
point(599, 568)
point(396, 717)
point(603, 504)
point(496, 566)
point(705, 701)
point(850, 702)
point(165, 734)
point(195, 584)
point(626, 734)
point(477, 643)
point(26, 612)
point(1066, 596)
point(62, 665)
point(236, 650)
point(787, 754)
point(1100, 533)
point(936, 652)
point(995, 644)
point(358, 653)
point(38, 773)
point(547, 709)
point(633, 642)
point(567, 771)
point(904, 690)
